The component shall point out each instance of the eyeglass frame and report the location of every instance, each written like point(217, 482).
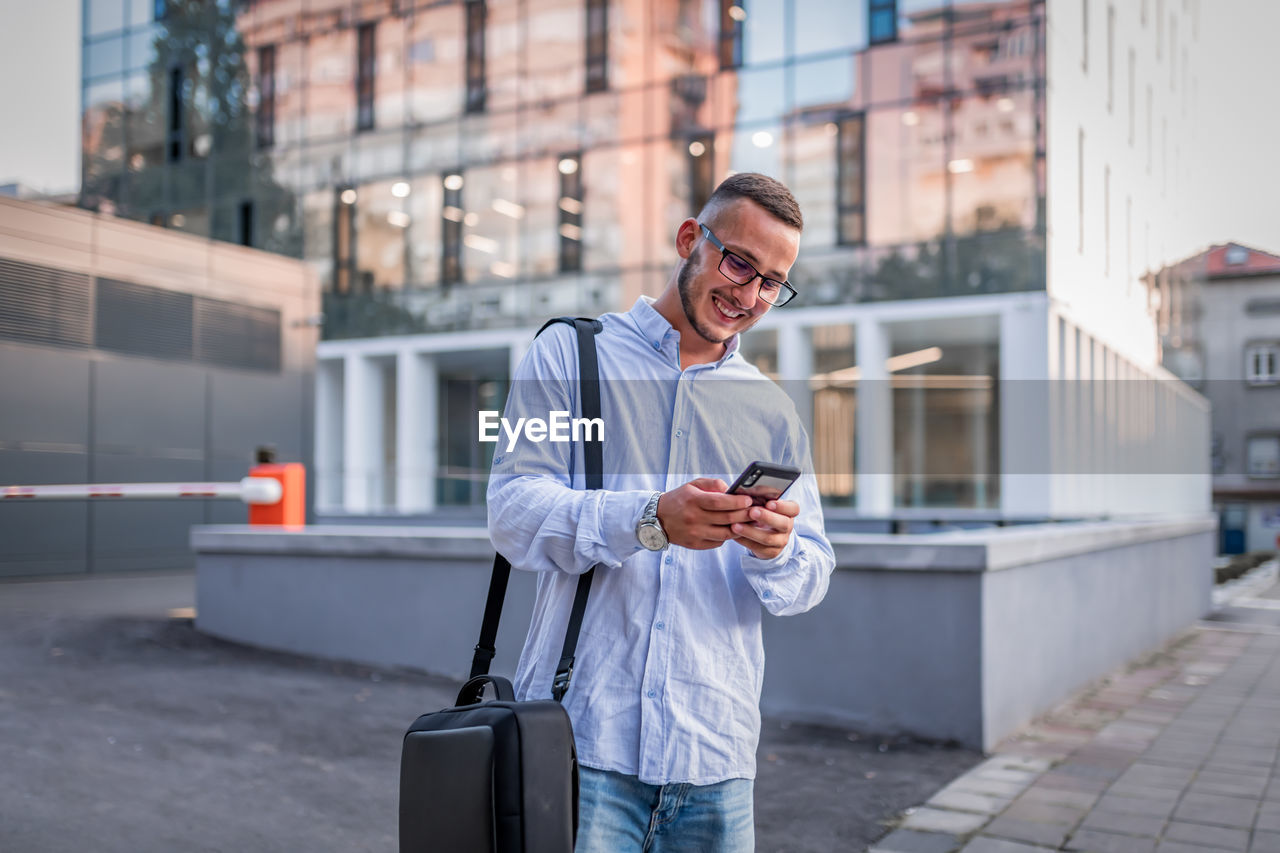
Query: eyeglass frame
point(724, 253)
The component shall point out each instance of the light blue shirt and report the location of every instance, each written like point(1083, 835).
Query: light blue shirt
point(666, 684)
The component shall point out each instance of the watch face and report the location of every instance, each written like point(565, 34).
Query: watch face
point(651, 537)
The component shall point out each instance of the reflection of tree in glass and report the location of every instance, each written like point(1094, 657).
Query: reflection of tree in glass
point(1004, 260)
point(189, 141)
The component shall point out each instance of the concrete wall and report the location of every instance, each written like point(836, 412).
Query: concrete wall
point(952, 636)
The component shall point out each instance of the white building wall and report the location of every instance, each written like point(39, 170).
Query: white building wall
point(1121, 140)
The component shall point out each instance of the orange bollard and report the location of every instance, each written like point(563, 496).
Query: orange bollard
point(291, 510)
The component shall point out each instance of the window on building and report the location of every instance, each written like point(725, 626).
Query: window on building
point(365, 72)
point(1262, 456)
point(732, 17)
point(1149, 136)
point(1084, 40)
point(1106, 221)
point(177, 113)
point(246, 223)
point(1159, 29)
point(570, 167)
point(597, 45)
point(851, 181)
point(701, 172)
point(1080, 187)
point(265, 119)
point(1260, 361)
point(159, 9)
point(344, 239)
point(882, 21)
point(1133, 83)
point(477, 90)
point(452, 214)
point(1111, 57)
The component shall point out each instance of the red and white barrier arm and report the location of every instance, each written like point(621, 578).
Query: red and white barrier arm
point(251, 490)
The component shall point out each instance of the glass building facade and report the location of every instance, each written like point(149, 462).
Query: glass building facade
point(469, 165)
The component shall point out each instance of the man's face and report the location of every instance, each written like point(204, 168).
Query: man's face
point(718, 309)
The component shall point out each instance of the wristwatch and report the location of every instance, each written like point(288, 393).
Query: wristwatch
point(648, 529)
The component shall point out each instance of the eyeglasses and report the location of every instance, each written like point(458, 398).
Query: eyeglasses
point(740, 272)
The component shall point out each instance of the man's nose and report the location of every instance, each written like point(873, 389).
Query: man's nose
point(747, 294)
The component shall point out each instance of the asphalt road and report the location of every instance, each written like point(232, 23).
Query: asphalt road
point(124, 730)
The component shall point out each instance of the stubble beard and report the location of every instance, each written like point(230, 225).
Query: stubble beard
point(683, 279)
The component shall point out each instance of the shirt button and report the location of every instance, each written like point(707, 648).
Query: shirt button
point(679, 433)
point(660, 626)
point(670, 559)
point(766, 594)
point(657, 344)
point(652, 694)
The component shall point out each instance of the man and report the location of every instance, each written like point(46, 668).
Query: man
point(666, 687)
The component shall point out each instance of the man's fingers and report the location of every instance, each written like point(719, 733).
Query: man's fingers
point(772, 520)
point(710, 484)
point(720, 502)
point(788, 508)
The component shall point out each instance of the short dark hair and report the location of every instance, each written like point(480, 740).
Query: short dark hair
point(769, 193)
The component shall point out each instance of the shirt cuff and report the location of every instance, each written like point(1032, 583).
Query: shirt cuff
point(769, 578)
point(619, 512)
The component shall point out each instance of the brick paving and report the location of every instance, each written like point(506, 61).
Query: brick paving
point(1175, 754)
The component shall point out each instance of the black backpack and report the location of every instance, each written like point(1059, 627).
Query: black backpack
point(502, 775)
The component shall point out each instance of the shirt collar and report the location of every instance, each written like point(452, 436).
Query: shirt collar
point(654, 327)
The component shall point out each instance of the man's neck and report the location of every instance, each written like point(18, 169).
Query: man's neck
point(694, 349)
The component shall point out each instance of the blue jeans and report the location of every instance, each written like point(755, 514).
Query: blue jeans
point(621, 814)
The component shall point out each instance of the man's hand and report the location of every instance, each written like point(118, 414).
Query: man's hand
point(770, 529)
point(698, 514)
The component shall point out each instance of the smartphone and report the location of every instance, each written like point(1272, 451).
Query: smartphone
point(764, 482)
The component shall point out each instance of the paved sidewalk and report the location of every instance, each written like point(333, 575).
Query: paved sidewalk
point(1176, 754)
point(124, 730)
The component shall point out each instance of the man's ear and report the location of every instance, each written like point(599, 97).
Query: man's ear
point(687, 237)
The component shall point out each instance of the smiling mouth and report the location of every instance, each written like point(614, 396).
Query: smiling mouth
point(729, 314)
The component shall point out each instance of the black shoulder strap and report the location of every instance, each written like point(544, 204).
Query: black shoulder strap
point(593, 453)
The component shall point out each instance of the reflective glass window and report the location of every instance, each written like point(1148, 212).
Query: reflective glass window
point(851, 179)
point(538, 215)
point(761, 95)
point(555, 69)
point(103, 139)
point(475, 47)
point(103, 16)
point(826, 25)
point(318, 210)
point(921, 19)
point(834, 400)
point(764, 32)
point(452, 216)
point(825, 84)
point(436, 75)
point(141, 45)
point(380, 224)
point(906, 71)
point(331, 101)
point(811, 168)
point(571, 219)
point(490, 236)
point(423, 206)
point(366, 72)
point(946, 450)
point(753, 148)
point(141, 12)
point(103, 57)
point(992, 170)
point(597, 46)
point(906, 189)
point(730, 35)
